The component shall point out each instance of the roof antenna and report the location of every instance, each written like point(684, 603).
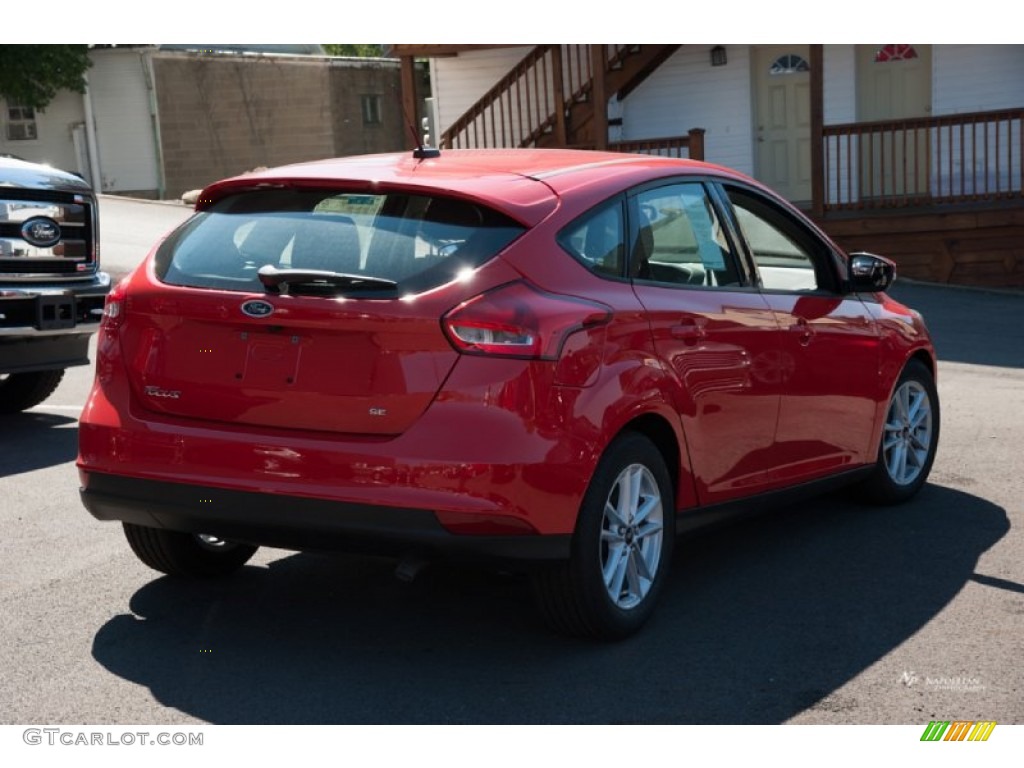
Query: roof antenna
point(421, 152)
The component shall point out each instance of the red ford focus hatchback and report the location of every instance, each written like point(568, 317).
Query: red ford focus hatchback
point(551, 360)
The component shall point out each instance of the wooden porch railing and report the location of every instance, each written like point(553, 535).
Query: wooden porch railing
point(691, 145)
point(521, 107)
point(901, 163)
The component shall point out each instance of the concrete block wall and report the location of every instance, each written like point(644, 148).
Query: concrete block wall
point(349, 83)
point(221, 115)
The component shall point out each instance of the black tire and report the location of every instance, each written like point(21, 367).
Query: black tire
point(186, 554)
point(21, 391)
point(573, 597)
point(888, 484)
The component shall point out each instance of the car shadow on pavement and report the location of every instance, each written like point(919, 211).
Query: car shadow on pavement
point(34, 440)
point(760, 621)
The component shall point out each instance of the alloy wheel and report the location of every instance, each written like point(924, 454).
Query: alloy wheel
point(631, 536)
point(907, 437)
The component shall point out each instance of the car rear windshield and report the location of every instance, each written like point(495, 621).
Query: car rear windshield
point(415, 241)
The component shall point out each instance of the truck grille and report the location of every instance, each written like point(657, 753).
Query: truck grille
point(70, 254)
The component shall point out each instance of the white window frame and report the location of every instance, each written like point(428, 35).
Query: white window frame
point(371, 105)
point(20, 124)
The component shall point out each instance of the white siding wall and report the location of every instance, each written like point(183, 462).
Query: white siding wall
point(687, 92)
point(459, 81)
point(124, 125)
point(840, 84)
point(977, 78)
point(840, 107)
point(54, 145)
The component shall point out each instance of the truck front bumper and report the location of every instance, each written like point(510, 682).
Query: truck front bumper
point(47, 326)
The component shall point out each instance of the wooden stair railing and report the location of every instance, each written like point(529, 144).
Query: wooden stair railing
point(510, 109)
point(628, 66)
point(520, 110)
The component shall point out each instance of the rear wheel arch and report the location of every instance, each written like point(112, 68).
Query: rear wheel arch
point(621, 547)
point(659, 430)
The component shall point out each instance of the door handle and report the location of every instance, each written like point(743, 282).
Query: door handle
point(804, 330)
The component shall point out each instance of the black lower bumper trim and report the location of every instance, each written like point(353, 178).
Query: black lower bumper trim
point(299, 523)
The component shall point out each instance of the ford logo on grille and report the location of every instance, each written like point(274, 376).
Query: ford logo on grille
point(257, 308)
point(41, 232)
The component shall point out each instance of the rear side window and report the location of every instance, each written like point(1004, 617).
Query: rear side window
point(680, 240)
point(416, 241)
point(596, 240)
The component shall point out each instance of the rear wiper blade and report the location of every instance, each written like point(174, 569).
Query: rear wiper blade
point(280, 280)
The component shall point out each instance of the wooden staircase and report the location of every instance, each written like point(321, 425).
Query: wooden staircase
point(548, 98)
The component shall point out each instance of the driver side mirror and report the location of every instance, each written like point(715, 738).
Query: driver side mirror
point(870, 273)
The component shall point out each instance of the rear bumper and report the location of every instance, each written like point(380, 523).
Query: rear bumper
point(478, 460)
point(300, 523)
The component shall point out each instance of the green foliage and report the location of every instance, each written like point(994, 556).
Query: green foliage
point(347, 49)
point(32, 75)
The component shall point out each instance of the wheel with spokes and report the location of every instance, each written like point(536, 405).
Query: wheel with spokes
point(621, 548)
point(193, 555)
point(910, 436)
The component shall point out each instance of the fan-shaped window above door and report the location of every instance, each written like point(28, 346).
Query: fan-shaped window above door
point(895, 52)
point(789, 64)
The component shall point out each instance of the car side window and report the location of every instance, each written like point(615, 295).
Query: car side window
point(680, 240)
point(788, 258)
point(597, 240)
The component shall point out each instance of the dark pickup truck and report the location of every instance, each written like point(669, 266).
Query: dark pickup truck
point(51, 289)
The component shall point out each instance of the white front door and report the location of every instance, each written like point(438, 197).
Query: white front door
point(782, 128)
point(894, 82)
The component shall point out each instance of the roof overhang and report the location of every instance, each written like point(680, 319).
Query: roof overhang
point(438, 50)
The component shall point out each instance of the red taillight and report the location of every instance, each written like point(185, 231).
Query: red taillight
point(114, 306)
point(518, 320)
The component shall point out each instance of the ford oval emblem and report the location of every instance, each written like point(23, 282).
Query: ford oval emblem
point(258, 308)
point(41, 232)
